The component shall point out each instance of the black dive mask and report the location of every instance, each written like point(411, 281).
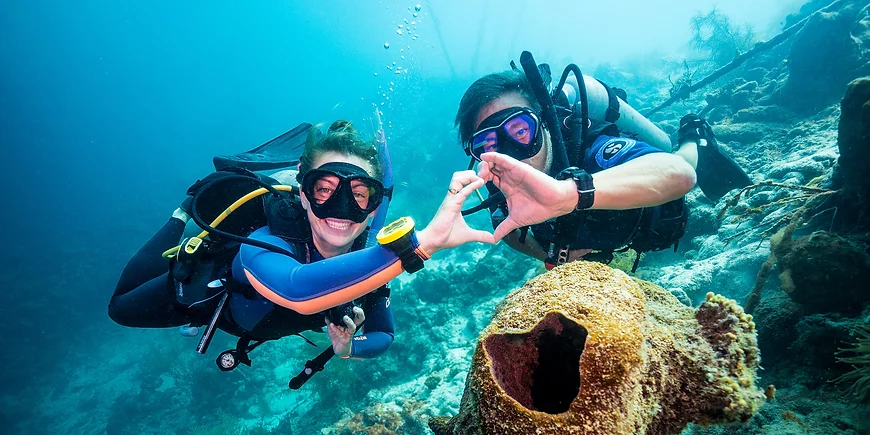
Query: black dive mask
point(342, 191)
point(515, 131)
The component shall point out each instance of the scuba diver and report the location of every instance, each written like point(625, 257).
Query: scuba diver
point(603, 181)
point(276, 260)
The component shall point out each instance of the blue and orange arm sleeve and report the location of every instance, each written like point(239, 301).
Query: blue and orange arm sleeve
point(377, 331)
point(312, 288)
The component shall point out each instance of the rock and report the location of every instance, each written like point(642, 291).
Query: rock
point(825, 273)
point(756, 74)
point(776, 317)
point(819, 336)
point(854, 137)
point(681, 296)
point(586, 349)
point(822, 59)
point(763, 114)
point(807, 168)
point(745, 133)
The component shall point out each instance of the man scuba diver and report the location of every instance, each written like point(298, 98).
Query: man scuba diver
point(603, 181)
point(276, 260)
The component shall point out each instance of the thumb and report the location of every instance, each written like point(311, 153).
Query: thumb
point(504, 228)
point(480, 236)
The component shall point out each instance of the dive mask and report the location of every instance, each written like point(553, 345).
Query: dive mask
point(515, 131)
point(342, 191)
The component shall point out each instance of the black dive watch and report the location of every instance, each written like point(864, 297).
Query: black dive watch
point(585, 188)
point(399, 238)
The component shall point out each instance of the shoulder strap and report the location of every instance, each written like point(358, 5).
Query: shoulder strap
point(612, 112)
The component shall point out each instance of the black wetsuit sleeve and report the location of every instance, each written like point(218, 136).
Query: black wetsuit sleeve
point(378, 331)
point(143, 296)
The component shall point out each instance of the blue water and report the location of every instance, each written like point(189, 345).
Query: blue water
point(109, 110)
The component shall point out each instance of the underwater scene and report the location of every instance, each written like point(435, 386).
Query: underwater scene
point(453, 218)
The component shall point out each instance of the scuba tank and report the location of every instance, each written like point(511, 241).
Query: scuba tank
point(605, 106)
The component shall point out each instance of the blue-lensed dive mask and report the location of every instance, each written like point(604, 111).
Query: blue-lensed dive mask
point(515, 131)
point(342, 191)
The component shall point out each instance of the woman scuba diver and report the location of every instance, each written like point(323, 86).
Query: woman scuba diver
point(293, 262)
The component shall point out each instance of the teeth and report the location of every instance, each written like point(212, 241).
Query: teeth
point(337, 225)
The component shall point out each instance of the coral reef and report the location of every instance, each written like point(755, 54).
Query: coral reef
point(584, 349)
point(383, 419)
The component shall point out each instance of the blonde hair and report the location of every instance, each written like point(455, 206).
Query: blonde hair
point(342, 138)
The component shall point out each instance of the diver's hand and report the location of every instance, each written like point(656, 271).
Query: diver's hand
point(342, 336)
point(532, 196)
point(448, 228)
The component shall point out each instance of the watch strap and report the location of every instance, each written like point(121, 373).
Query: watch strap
point(585, 187)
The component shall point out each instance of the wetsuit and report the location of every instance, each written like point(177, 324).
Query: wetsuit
point(599, 229)
point(145, 294)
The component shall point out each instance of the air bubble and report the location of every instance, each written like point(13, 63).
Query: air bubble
point(418, 7)
point(376, 73)
point(414, 14)
point(386, 45)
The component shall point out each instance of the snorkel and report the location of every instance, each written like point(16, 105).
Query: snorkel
point(387, 164)
point(548, 110)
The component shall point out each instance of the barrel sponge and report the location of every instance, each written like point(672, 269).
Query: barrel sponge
point(585, 349)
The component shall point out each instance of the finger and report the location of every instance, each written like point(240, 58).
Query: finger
point(481, 236)
point(462, 195)
point(464, 177)
point(499, 162)
point(350, 326)
point(359, 316)
point(461, 179)
point(334, 331)
point(504, 228)
point(484, 171)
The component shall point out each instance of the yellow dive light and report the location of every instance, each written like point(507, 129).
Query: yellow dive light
point(398, 237)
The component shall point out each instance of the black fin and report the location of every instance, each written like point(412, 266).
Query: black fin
point(282, 152)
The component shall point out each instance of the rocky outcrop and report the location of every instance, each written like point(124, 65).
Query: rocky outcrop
point(825, 55)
